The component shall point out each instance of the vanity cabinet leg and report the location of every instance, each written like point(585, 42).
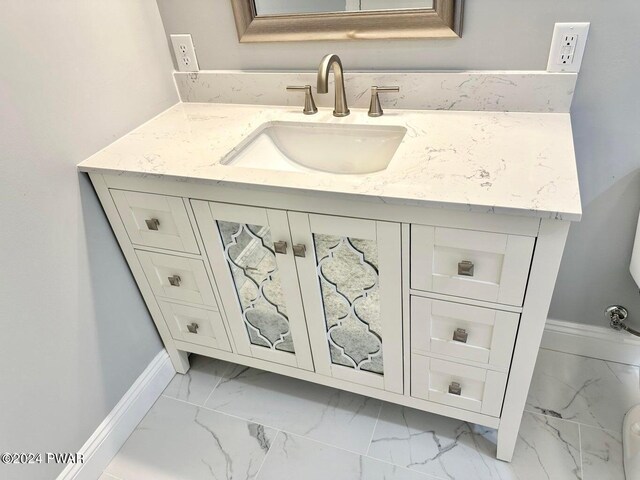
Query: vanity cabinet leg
point(542, 278)
point(179, 360)
point(507, 438)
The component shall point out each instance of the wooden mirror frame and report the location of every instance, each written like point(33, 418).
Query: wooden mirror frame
point(444, 20)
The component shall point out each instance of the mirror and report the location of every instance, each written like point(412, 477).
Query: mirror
point(294, 7)
point(301, 20)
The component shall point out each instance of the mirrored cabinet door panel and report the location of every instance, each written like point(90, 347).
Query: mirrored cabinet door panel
point(252, 259)
point(350, 281)
point(347, 270)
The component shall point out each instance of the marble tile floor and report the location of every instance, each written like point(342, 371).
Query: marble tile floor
point(224, 421)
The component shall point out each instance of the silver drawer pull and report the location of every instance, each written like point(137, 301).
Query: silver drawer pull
point(193, 327)
point(280, 247)
point(460, 335)
point(465, 268)
point(455, 388)
point(174, 280)
point(152, 223)
point(300, 250)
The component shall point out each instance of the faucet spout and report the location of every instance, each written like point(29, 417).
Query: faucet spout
point(328, 63)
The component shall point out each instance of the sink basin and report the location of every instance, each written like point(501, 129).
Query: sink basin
point(304, 147)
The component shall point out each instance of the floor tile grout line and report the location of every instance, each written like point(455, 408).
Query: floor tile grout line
point(427, 475)
point(574, 422)
point(267, 454)
point(104, 472)
point(580, 451)
point(375, 425)
point(587, 356)
point(280, 430)
point(224, 372)
point(533, 412)
point(606, 430)
point(579, 426)
point(264, 425)
point(227, 414)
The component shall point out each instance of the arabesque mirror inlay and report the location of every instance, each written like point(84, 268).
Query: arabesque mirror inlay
point(256, 278)
point(348, 273)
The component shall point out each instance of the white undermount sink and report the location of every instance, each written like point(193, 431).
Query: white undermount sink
point(304, 147)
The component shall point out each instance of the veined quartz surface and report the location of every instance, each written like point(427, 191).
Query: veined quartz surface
point(486, 90)
point(492, 162)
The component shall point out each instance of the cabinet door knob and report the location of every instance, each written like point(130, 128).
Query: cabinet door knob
point(152, 223)
point(280, 247)
point(300, 250)
point(193, 327)
point(455, 388)
point(465, 268)
point(460, 335)
point(175, 280)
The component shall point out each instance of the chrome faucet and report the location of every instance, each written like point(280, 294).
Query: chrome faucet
point(332, 61)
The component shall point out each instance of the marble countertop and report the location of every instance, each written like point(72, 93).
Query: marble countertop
point(493, 162)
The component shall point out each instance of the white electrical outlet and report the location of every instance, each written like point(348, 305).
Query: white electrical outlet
point(185, 53)
point(567, 47)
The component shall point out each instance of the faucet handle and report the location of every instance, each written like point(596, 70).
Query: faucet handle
point(375, 109)
point(309, 105)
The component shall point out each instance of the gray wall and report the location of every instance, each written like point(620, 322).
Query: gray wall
point(501, 34)
point(74, 332)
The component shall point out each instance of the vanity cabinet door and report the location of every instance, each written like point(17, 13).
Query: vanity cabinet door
point(350, 278)
point(252, 260)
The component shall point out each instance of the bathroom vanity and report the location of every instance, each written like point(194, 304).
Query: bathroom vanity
point(423, 281)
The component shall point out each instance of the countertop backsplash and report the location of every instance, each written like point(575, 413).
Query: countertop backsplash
point(495, 91)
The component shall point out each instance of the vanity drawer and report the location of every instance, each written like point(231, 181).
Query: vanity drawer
point(485, 266)
point(477, 334)
point(177, 278)
point(461, 386)
point(195, 325)
point(155, 220)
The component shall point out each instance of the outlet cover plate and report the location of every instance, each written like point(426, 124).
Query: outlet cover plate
point(184, 52)
point(567, 47)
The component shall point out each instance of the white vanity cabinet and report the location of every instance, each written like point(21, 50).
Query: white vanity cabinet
point(435, 309)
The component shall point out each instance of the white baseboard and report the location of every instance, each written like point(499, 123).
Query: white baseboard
point(121, 421)
point(591, 341)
